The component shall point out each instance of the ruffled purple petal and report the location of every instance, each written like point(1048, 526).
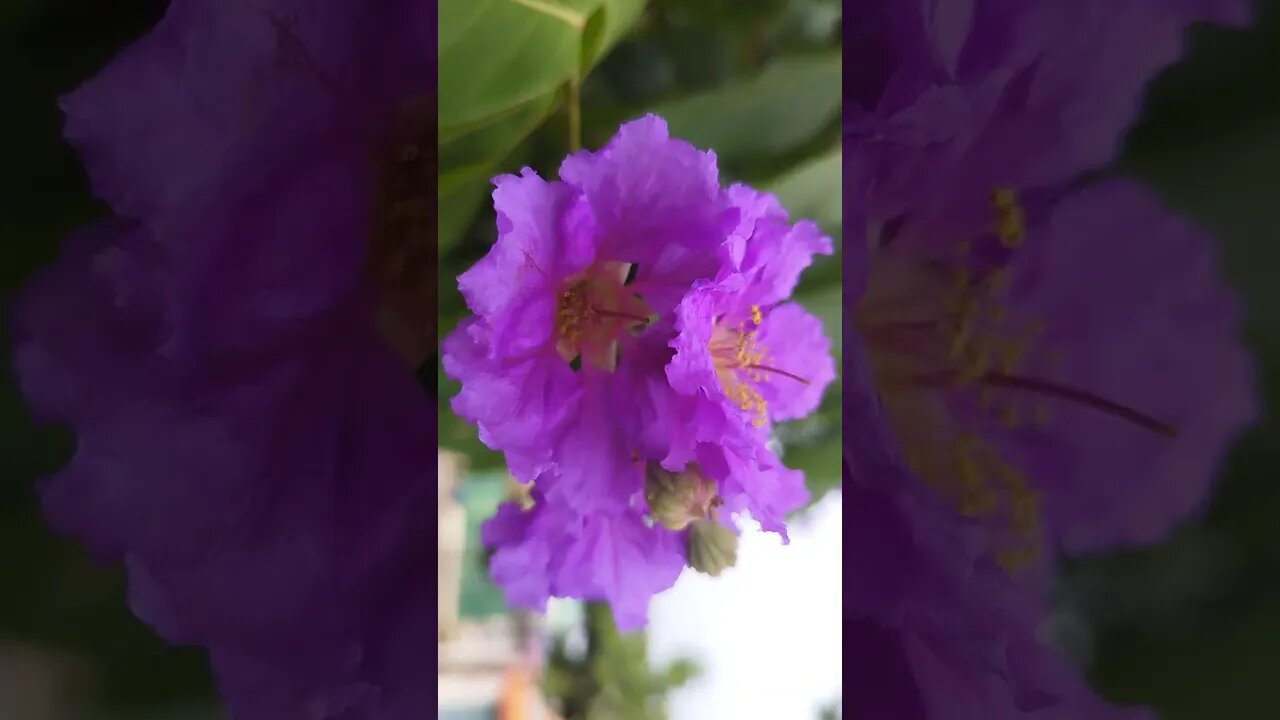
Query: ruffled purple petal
point(954, 101)
point(797, 344)
point(618, 559)
point(759, 484)
point(532, 255)
point(646, 190)
point(524, 542)
point(948, 634)
point(549, 551)
point(217, 90)
point(515, 404)
point(1132, 298)
point(596, 469)
point(246, 442)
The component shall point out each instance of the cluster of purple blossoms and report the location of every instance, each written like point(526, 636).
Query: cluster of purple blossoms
point(1035, 364)
point(631, 345)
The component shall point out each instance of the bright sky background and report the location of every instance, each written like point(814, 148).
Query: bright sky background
point(766, 632)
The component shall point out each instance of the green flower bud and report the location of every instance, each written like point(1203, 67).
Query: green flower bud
point(676, 499)
point(712, 547)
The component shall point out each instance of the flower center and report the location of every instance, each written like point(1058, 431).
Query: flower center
point(741, 364)
point(950, 362)
point(593, 312)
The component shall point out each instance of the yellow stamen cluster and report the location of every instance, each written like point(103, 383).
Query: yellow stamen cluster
point(983, 338)
point(959, 341)
point(1011, 226)
point(736, 356)
point(980, 484)
point(592, 312)
point(573, 313)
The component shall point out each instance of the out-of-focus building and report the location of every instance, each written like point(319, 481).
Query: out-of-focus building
point(490, 657)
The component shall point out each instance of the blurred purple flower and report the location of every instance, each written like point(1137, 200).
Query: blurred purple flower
point(611, 336)
point(236, 355)
point(935, 629)
point(1034, 365)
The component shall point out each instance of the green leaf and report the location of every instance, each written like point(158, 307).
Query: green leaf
point(503, 64)
point(775, 112)
point(812, 190)
point(469, 161)
point(497, 55)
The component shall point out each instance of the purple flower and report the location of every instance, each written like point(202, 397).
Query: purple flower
point(1015, 349)
point(554, 292)
point(1032, 365)
point(945, 103)
point(551, 551)
point(609, 357)
point(745, 358)
point(739, 342)
point(1142, 321)
point(1072, 378)
point(935, 627)
point(236, 355)
point(941, 632)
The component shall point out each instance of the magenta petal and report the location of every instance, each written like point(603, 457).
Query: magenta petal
point(618, 559)
point(796, 343)
point(1132, 298)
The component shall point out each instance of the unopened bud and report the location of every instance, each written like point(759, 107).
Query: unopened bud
point(712, 547)
point(676, 499)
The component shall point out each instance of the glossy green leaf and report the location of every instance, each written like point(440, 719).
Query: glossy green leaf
point(503, 67)
point(812, 191)
point(775, 112)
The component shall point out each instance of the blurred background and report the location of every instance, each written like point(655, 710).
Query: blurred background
point(1191, 627)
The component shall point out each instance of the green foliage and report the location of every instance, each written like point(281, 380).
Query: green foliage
point(504, 64)
point(762, 117)
point(614, 680)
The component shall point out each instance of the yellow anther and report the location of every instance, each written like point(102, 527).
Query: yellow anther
point(977, 366)
point(1010, 223)
point(1011, 357)
point(976, 503)
point(1023, 513)
point(756, 317)
point(1015, 559)
point(960, 338)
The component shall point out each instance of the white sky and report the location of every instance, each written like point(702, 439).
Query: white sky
point(766, 632)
